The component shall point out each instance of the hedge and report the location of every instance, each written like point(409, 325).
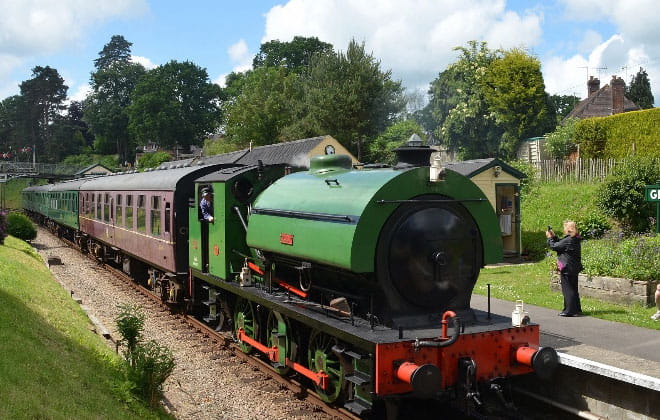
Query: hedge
point(618, 135)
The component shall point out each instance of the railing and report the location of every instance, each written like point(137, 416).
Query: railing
point(39, 169)
point(579, 170)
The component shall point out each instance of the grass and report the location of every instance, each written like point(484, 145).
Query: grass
point(551, 204)
point(52, 366)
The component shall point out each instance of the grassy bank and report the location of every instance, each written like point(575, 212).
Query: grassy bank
point(52, 365)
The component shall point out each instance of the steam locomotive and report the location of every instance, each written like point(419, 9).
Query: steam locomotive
point(358, 280)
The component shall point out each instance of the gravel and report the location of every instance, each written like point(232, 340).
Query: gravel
point(207, 382)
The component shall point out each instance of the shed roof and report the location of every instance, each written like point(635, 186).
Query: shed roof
point(470, 168)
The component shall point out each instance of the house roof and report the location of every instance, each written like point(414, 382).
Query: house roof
point(90, 167)
point(470, 168)
point(293, 153)
point(599, 104)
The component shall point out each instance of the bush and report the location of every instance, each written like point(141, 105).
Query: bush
point(593, 226)
point(621, 197)
point(148, 364)
point(19, 226)
point(633, 258)
point(153, 160)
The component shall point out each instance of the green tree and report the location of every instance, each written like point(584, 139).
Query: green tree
point(563, 104)
point(514, 91)
point(639, 90)
point(43, 98)
point(349, 96)
point(467, 124)
point(153, 160)
point(381, 149)
point(264, 107)
point(105, 109)
point(295, 55)
point(174, 104)
point(118, 50)
point(486, 101)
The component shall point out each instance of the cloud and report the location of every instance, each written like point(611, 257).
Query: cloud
point(415, 39)
point(146, 63)
point(32, 28)
point(240, 56)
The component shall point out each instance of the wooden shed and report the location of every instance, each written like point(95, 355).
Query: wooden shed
point(501, 185)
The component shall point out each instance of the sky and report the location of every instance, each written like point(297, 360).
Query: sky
point(415, 39)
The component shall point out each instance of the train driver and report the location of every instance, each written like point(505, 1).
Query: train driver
point(206, 205)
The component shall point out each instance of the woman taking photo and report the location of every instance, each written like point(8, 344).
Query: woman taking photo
point(569, 262)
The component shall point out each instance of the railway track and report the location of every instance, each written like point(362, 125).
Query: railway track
point(211, 341)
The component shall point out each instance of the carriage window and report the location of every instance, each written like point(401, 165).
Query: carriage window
point(98, 207)
point(155, 215)
point(106, 207)
point(129, 211)
point(90, 205)
point(118, 212)
point(168, 215)
point(141, 214)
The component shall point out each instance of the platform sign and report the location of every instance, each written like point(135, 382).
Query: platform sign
point(652, 195)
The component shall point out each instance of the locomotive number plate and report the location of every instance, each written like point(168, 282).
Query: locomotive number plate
point(286, 238)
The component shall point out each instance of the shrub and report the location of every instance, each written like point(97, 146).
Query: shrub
point(152, 365)
point(20, 226)
point(528, 183)
point(634, 258)
point(593, 226)
point(560, 142)
point(621, 197)
point(153, 160)
point(148, 364)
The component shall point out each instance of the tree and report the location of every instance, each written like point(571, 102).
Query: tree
point(43, 97)
point(265, 106)
point(563, 104)
point(639, 90)
point(467, 125)
point(118, 50)
point(105, 109)
point(349, 96)
point(295, 55)
point(174, 104)
point(514, 91)
point(381, 149)
point(486, 101)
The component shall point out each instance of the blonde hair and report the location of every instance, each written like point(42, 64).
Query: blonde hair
point(570, 228)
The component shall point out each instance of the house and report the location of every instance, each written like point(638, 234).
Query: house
point(295, 153)
point(92, 170)
point(603, 101)
point(501, 185)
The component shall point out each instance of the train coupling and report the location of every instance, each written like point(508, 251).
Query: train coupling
point(543, 360)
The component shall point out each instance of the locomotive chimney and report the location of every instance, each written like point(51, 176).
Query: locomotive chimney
point(413, 154)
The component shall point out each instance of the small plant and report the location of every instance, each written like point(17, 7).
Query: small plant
point(148, 363)
point(130, 323)
point(152, 365)
point(19, 226)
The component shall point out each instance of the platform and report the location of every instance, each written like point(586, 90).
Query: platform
point(621, 346)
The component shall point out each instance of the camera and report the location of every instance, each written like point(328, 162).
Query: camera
point(549, 227)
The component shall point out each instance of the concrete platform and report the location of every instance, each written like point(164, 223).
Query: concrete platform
point(621, 346)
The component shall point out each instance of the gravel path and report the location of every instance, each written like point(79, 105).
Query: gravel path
point(205, 384)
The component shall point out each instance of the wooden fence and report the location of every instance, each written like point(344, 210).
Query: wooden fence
point(579, 170)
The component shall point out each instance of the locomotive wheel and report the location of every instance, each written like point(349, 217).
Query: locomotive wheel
point(245, 317)
point(321, 358)
point(278, 325)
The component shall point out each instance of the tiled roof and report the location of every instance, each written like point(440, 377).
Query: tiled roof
point(599, 104)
